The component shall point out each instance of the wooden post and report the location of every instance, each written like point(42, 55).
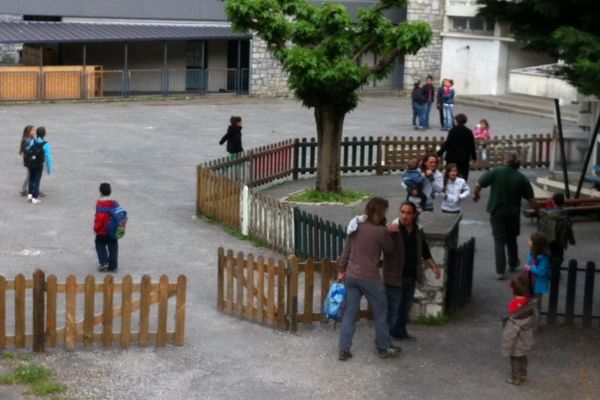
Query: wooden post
point(245, 210)
point(230, 266)
point(325, 279)
point(71, 307)
point(309, 284)
point(163, 303)
point(239, 284)
point(281, 286)
point(2, 312)
point(126, 289)
point(107, 312)
point(260, 288)
point(295, 159)
point(249, 314)
point(88, 313)
point(271, 292)
point(51, 291)
point(220, 279)
point(19, 311)
point(292, 300)
point(180, 310)
point(145, 293)
point(39, 283)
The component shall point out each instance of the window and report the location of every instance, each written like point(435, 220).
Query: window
point(471, 24)
point(42, 18)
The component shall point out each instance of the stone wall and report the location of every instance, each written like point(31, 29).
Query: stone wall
point(9, 53)
point(428, 60)
point(267, 77)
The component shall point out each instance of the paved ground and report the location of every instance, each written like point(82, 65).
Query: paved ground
point(148, 151)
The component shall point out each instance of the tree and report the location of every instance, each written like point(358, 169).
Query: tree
point(320, 46)
point(566, 29)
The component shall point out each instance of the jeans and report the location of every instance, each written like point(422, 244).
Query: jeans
point(418, 118)
point(35, 177)
point(400, 301)
point(426, 113)
point(107, 249)
point(373, 291)
point(448, 116)
point(505, 231)
point(25, 187)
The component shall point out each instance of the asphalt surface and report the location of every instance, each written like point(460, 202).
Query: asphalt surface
point(148, 151)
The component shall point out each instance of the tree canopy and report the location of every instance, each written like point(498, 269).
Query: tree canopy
point(566, 29)
point(320, 46)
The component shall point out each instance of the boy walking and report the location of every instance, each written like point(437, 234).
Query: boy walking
point(107, 247)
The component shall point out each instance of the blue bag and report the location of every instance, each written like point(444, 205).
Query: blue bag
point(117, 223)
point(334, 302)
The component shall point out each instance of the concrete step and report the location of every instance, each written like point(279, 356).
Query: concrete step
point(522, 104)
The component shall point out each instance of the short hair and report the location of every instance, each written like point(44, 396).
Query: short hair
point(461, 119)
point(558, 199)
point(105, 189)
point(235, 119)
point(539, 244)
point(511, 157)
point(430, 77)
point(412, 205)
point(417, 84)
point(40, 132)
point(413, 164)
point(520, 285)
point(375, 210)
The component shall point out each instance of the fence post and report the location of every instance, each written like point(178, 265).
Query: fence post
point(295, 160)
point(379, 157)
point(588, 294)
point(554, 286)
point(245, 210)
point(570, 300)
point(2, 312)
point(292, 300)
point(39, 280)
point(180, 310)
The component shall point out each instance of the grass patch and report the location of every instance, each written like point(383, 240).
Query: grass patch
point(9, 355)
point(315, 196)
point(39, 379)
point(236, 233)
point(433, 320)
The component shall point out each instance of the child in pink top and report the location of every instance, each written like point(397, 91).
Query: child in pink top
point(482, 133)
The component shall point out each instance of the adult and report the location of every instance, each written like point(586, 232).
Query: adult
point(38, 153)
point(358, 266)
point(459, 146)
point(429, 94)
point(508, 187)
point(440, 103)
point(28, 135)
point(434, 179)
point(403, 268)
point(418, 106)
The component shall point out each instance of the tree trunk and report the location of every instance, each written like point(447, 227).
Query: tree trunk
point(330, 125)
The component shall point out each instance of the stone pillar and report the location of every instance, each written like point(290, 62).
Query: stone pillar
point(9, 52)
point(429, 59)
point(441, 233)
point(267, 77)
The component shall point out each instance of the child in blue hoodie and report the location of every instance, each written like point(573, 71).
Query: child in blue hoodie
point(538, 263)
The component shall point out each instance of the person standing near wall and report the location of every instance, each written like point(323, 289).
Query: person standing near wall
point(38, 153)
point(459, 146)
point(440, 103)
point(448, 100)
point(508, 187)
point(429, 94)
point(418, 106)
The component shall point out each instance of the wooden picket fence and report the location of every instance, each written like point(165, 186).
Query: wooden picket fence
point(278, 293)
point(317, 238)
point(271, 221)
point(49, 331)
point(218, 197)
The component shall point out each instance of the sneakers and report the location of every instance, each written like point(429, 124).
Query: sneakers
point(29, 197)
point(114, 270)
point(36, 201)
point(514, 381)
point(344, 355)
point(406, 337)
point(500, 277)
point(102, 267)
point(392, 351)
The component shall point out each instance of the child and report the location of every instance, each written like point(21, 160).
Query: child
point(448, 104)
point(455, 190)
point(556, 225)
point(413, 180)
point(28, 135)
point(481, 133)
point(233, 137)
point(107, 247)
point(517, 335)
point(38, 152)
point(538, 264)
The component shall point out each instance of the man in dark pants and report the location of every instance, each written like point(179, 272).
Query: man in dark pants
point(459, 146)
point(402, 268)
point(508, 187)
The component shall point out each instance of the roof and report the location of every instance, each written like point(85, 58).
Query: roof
point(80, 32)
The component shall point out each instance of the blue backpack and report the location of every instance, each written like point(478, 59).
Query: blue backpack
point(334, 302)
point(118, 221)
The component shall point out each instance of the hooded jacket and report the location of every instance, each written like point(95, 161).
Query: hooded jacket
point(233, 137)
point(557, 227)
point(102, 219)
point(517, 336)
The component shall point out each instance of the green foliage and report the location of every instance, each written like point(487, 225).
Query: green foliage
point(47, 388)
point(565, 29)
point(236, 233)
point(37, 377)
point(433, 320)
point(320, 46)
point(9, 355)
point(31, 373)
point(315, 196)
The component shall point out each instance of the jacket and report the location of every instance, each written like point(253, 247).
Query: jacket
point(429, 93)
point(448, 96)
point(362, 251)
point(102, 219)
point(455, 192)
point(540, 268)
point(233, 137)
point(47, 154)
point(517, 336)
point(557, 227)
point(459, 146)
point(393, 262)
point(418, 96)
point(431, 185)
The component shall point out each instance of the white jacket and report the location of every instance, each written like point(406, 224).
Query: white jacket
point(454, 193)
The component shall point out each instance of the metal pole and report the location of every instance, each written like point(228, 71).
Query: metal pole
point(561, 144)
point(165, 77)
point(41, 79)
point(238, 71)
point(588, 155)
point(202, 62)
point(125, 71)
point(84, 72)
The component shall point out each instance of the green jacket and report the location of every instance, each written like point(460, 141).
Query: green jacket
point(508, 187)
point(557, 227)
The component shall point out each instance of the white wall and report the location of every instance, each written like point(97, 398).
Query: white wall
point(472, 63)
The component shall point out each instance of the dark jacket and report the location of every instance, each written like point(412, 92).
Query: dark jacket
point(440, 98)
point(429, 93)
point(417, 95)
point(233, 137)
point(557, 227)
point(393, 262)
point(459, 146)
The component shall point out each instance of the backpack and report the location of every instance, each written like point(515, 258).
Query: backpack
point(34, 155)
point(118, 221)
point(334, 302)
